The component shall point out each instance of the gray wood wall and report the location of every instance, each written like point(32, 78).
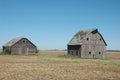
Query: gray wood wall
point(93, 47)
point(23, 47)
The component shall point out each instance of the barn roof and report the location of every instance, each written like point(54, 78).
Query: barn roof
point(14, 41)
point(81, 35)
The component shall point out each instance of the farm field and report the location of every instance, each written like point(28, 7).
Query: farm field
point(56, 65)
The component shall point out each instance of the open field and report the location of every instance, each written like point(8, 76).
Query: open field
point(55, 65)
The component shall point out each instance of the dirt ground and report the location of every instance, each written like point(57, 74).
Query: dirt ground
point(15, 67)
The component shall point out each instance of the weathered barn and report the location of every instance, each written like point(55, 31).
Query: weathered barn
point(19, 46)
point(87, 44)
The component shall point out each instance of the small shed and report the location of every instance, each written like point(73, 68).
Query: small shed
point(87, 44)
point(19, 46)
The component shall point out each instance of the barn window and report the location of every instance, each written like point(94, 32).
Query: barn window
point(99, 52)
point(24, 41)
point(87, 39)
point(89, 52)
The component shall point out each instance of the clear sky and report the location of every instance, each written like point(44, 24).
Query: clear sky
point(50, 24)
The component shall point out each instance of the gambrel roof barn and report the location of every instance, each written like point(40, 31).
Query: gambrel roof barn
point(87, 44)
point(19, 45)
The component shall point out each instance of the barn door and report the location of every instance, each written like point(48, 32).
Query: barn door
point(93, 54)
point(76, 52)
point(19, 50)
point(93, 51)
point(24, 50)
point(27, 51)
point(79, 51)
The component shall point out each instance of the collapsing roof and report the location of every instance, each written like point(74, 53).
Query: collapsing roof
point(14, 41)
point(79, 37)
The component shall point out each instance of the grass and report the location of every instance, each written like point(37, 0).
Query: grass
point(112, 59)
point(56, 65)
point(70, 58)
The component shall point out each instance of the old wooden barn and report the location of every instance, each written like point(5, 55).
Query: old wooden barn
point(19, 46)
point(87, 44)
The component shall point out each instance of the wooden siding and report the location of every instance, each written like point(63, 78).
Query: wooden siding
point(91, 44)
point(23, 46)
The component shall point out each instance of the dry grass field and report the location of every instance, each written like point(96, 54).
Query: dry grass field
point(55, 65)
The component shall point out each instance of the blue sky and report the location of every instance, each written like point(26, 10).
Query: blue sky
point(50, 24)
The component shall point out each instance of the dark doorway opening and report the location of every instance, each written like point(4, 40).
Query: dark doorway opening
point(74, 50)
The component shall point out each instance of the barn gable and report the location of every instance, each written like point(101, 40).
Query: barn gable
point(87, 44)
